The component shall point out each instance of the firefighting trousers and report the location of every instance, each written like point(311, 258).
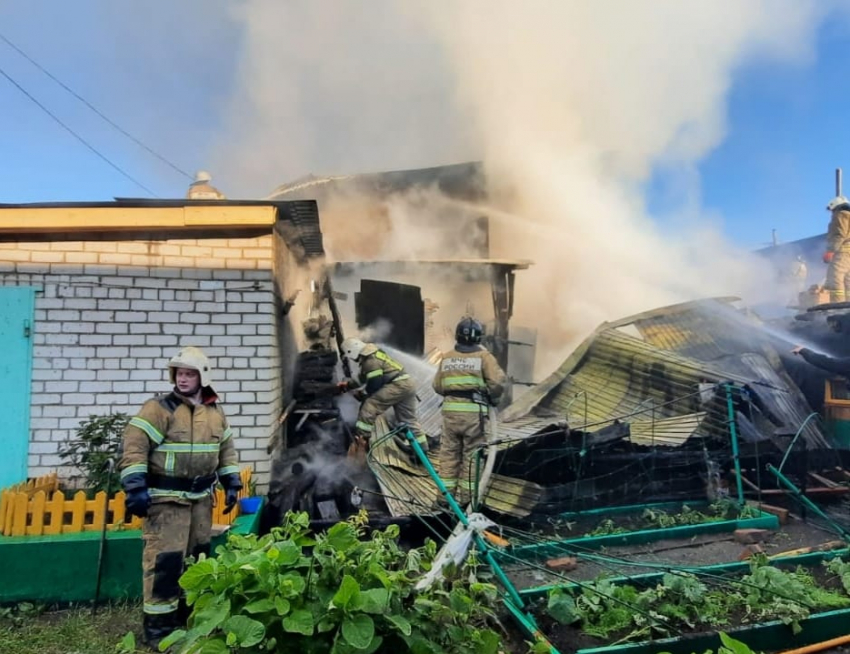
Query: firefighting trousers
point(171, 532)
point(463, 436)
point(398, 395)
point(838, 277)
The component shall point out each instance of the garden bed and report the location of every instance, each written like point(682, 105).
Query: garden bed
point(643, 523)
point(769, 605)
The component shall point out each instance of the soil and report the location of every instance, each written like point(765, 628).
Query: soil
point(697, 551)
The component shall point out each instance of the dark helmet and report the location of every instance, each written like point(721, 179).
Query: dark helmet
point(469, 331)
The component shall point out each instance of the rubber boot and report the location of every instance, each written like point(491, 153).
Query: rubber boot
point(157, 627)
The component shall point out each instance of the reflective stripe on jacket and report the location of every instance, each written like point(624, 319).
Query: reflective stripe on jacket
point(379, 368)
point(173, 438)
point(460, 374)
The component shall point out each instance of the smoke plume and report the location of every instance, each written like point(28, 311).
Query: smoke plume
point(570, 104)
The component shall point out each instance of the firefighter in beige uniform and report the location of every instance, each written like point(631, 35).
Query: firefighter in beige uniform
point(386, 385)
point(471, 381)
point(837, 253)
point(175, 450)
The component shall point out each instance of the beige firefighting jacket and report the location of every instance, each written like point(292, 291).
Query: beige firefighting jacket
point(170, 437)
point(838, 232)
point(465, 378)
point(379, 368)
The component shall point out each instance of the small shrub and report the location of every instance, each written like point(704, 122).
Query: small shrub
point(343, 591)
point(98, 439)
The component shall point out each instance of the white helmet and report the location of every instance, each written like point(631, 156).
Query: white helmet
point(354, 347)
point(202, 176)
point(837, 202)
point(192, 358)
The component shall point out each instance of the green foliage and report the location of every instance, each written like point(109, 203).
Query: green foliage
point(345, 591)
point(729, 646)
point(98, 439)
point(654, 518)
point(603, 609)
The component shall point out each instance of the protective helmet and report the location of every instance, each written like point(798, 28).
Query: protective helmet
point(202, 176)
point(192, 358)
point(469, 331)
point(353, 348)
point(837, 202)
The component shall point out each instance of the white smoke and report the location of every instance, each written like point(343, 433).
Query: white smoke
point(571, 104)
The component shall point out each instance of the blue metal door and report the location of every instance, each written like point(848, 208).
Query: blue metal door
point(16, 318)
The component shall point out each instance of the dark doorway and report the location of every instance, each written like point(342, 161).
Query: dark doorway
point(396, 307)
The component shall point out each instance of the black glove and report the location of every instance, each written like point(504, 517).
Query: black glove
point(231, 496)
point(138, 502)
point(232, 485)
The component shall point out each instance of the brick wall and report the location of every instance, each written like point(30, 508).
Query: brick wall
point(109, 315)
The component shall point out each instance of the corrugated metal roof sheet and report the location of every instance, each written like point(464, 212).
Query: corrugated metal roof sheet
point(649, 368)
point(663, 372)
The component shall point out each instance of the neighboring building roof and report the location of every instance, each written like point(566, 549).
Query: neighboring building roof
point(460, 181)
point(140, 219)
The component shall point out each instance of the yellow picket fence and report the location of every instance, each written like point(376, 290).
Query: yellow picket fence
point(38, 508)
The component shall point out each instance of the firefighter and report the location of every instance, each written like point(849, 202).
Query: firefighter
point(202, 189)
point(174, 451)
point(383, 384)
point(837, 254)
point(471, 381)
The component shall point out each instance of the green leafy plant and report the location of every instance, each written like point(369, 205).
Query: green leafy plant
point(343, 591)
point(603, 608)
point(98, 439)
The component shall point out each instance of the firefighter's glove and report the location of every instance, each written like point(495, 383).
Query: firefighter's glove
point(828, 256)
point(231, 496)
point(232, 485)
point(137, 502)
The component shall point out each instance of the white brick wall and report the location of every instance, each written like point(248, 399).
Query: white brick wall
point(109, 315)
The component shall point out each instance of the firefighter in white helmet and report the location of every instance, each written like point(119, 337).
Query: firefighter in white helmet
point(202, 189)
point(837, 254)
point(385, 385)
point(175, 450)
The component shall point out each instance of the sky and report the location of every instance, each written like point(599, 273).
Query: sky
point(168, 73)
point(638, 151)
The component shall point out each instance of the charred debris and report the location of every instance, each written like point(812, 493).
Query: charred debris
point(687, 402)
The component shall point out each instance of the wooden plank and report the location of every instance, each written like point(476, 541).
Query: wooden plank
point(778, 511)
point(19, 517)
point(78, 513)
point(810, 491)
point(100, 507)
point(38, 505)
point(823, 480)
point(56, 511)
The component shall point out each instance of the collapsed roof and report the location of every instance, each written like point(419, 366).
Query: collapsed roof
point(665, 382)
